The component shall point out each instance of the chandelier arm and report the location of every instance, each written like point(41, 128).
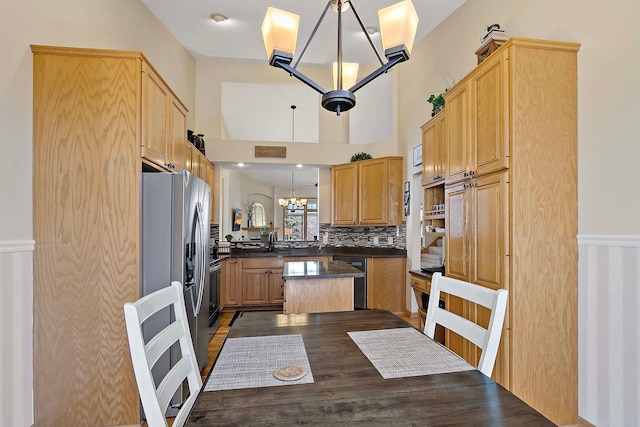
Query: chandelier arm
point(298, 75)
point(313, 33)
point(383, 69)
point(364, 30)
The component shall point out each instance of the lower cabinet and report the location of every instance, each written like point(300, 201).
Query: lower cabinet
point(231, 279)
point(276, 286)
point(262, 281)
point(386, 284)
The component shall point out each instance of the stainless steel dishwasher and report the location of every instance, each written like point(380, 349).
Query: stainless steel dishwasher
point(359, 283)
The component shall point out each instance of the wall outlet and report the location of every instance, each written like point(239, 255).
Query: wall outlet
point(389, 240)
point(325, 238)
point(375, 240)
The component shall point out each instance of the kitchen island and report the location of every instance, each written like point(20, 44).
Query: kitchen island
point(314, 286)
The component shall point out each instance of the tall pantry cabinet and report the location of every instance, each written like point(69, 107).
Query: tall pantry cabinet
point(95, 123)
point(511, 213)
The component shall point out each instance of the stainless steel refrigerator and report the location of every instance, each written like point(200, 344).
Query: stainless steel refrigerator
point(175, 214)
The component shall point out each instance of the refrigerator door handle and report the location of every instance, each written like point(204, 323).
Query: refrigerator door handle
point(201, 254)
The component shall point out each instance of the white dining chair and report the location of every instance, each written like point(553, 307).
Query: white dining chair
point(486, 339)
point(155, 400)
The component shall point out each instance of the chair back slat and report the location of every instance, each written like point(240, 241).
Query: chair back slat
point(160, 343)
point(488, 339)
point(155, 401)
point(471, 331)
point(170, 383)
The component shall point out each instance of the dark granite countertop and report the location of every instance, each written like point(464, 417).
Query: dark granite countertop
point(315, 251)
point(319, 270)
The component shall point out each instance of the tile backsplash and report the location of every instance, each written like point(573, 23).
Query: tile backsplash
point(368, 237)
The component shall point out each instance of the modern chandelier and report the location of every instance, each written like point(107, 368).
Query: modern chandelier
point(292, 202)
point(398, 24)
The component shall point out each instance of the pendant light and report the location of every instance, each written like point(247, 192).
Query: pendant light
point(398, 25)
point(292, 202)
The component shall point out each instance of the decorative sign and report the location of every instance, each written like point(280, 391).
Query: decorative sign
point(270, 151)
point(417, 155)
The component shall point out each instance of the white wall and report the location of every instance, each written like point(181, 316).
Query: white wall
point(609, 321)
point(109, 24)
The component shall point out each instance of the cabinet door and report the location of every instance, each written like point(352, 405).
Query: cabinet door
point(429, 138)
point(441, 131)
point(457, 151)
point(490, 102)
point(211, 181)
point(433, 150)
point(457, 232)
point(195, 162)
point(344, 194)
point(155, 110)
point(386, 284)
point(373, 194)
point(188, 154)
point(276, 286)
point(255, 286)
point(178, 137)
point(231, 283)
point(489, 230)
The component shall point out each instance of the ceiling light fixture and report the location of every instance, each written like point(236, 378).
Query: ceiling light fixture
point(218, 17)
point(398, 24)
point(292, 202)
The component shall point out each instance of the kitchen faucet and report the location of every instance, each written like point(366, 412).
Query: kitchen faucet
point(272, 238)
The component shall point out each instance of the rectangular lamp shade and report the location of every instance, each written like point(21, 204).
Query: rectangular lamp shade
point(280, 31)
point(349, 74)
point(398, 25)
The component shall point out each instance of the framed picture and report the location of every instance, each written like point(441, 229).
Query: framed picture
point(237, 219)
point(407, 197)
point(417, 155)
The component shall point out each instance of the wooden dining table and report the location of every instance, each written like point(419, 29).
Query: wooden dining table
point(348, 389)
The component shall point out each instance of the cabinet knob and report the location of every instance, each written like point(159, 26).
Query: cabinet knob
point(471, 173)
point(466, 174)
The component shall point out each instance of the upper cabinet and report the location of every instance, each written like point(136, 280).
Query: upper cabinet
point(477, 125)
point(367, 192)
point(433, 135)
point(164, 123)
point(177, 142)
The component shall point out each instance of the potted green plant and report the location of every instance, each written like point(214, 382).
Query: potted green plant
point(437, 103)
point(361, 156)
point(229, 237)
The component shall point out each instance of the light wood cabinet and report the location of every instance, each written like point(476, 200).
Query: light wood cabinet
point(164, 123)
point(276, 286)
point(93, 110)
point(477, 124)
point(211, 182)
point(433, 135)
point(255, 286)
point(156, 99)
point(188, 154)
point(367, 192)
point(232, 282)
point(196, 161)
point(511, 213)
point(386, 284)
point(177, 147)
point(344, 194)
point(262, 281)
